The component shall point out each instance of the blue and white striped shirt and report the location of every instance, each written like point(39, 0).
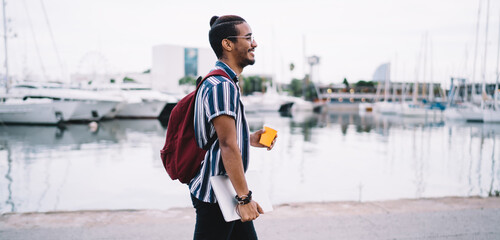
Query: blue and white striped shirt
point(217, 96)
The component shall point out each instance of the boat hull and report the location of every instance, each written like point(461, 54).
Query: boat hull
point(490, 115)
point(115, 110)
point(36, 112)
point(386, 108)
point(410, 110)
point(343, 107)
point(92, 110)
point(453, 114)
point(143, 109)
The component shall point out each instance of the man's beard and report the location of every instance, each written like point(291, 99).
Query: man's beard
point(245, 62)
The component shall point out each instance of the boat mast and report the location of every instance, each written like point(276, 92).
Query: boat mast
point(431, 77)
point(473, 87)
point(483, 87)
point(5, 45)
point(417, 71)
point(424, 76)
point(495, 95)
point(386, 81)
point(395, 79)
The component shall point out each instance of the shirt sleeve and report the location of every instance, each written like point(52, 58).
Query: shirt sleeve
point(221, 99)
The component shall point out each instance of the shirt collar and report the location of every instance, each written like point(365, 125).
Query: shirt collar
point(228, 70)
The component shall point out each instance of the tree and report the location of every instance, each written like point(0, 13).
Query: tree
point(365, 86)
point(187, 80)
point(362, 83)
point(127, 79)
point(311, 93)
point(296, 87)
point(346, 83)
point(299, 88)
point(253, 84)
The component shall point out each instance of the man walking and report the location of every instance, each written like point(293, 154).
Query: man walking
point(219, 112)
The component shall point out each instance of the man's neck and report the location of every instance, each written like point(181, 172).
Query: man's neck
point(232, 65)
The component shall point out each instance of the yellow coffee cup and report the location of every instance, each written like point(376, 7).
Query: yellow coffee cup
point(268, 136)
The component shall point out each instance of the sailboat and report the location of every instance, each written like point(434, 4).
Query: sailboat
point(269, 101)
point(470, 110)
point(492, 114)
point(29, 111)
point(92, 106)
point(461, 110)
point(426, 108)
point(384, 107)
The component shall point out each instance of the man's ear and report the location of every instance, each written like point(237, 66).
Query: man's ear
point(227, 45)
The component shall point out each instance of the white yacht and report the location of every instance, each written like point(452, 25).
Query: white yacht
point(453, 113)
point(466, 112)
point(388, 108)
point(263, 102)
point(301, 105)
point(491, 115)
point(92, 106)
point(35, 111)
point(140, 101)
point(22, 109)
point(420, 110)
point(491, 112)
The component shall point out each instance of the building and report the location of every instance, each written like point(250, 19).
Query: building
point(382, 73)
point(171, 63)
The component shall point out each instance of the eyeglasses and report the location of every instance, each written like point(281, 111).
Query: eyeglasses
point(249, 38)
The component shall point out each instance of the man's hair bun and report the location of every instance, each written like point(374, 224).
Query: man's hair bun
point(213, 19)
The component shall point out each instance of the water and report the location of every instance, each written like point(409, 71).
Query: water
point(327, 157)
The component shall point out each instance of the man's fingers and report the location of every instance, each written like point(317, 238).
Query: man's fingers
point(272, 144)
point(260, 131)
point(252, 212)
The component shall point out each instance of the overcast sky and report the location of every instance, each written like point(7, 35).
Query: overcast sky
point(352, 37)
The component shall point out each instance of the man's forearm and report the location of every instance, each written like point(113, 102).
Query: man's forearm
point(231, 157)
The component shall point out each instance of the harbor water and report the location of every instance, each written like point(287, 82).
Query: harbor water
point(317, 158)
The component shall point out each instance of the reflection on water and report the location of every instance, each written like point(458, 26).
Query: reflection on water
point(326, 157)
point(48, 169)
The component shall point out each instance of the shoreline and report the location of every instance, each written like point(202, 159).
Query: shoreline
point(427, 218)
point(454, 200)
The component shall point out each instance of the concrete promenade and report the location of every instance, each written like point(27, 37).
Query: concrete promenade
point(441, 218)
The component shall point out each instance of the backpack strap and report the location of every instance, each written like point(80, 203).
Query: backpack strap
point(216, 72)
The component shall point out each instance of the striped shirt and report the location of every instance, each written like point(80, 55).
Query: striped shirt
point(217, 96)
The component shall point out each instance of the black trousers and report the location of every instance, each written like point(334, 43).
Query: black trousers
point(210, 224)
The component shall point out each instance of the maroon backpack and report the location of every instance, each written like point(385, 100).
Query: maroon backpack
point(181, 155)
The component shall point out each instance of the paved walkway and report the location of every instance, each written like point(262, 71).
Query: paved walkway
point(443, 218)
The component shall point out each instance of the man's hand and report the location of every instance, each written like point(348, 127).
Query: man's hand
point(255, 137)
point(250, 211)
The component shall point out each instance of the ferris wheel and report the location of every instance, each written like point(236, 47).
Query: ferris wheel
point(94, 65)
